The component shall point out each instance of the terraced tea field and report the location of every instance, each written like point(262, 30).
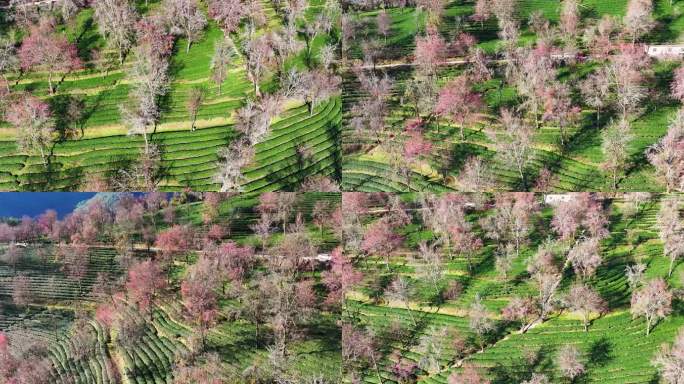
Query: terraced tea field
point(101, 147)
point(615, 348)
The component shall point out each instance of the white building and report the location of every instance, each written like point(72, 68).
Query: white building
point(554, 199)
point(665, 51)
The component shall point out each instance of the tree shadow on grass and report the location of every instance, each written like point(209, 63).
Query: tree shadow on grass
point(69, 117)
point(540, 360)
point(300, 165)
point(600, 353)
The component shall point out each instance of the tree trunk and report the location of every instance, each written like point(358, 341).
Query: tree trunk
point(42, 155)
point(187, 47)
point(50, 82)
point(6, 83)
point(669, 271)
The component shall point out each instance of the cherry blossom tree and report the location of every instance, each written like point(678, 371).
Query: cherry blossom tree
point(512, 219)
point(569, 361)
point(570, 18)
point(677, 85)
point(479, 70)
point(482, 12)
point(459, 103)
point(12, 255)
point(584, 300)
point(627, 71)
point(21, 290)
point(635, 275)
point(595, 91)
point(380, 239)
point(35, 126)
point(638, 18)
point(185, 19)
point(76, 260)
point(469, 375)
point(671, 228)
point(317, 86)
point(582, 213)
point(667, 155)
point(175, 240)
point(524, 310)
point(199, 298)
point(193, 104)
point(464, 238)
point(653, 301)
point(227, 13)
point(402, 290)
point(46, 49)
point(430, 52)
point(281, 206)
point(559, 109)
point(670, 360)
point(340, 278)
point(615, 146)
point(384, 23)
point(145, 282)
point(371, 112)
point(585, 257)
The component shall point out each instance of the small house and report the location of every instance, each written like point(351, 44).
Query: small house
point(665, 51)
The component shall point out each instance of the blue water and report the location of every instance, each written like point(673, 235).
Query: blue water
point(17, 204)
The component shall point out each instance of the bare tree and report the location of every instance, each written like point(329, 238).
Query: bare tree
point(224, 52)
point(401, 290)
point(9, 62)
point(513, 142)
point(653, 302)
point(545, 273)
point(195, 99)
point(260, 59)
point(635, 275)
point(34, 123)
point(150, 77)
point(116, 21)
point(430, 263)
point(480, 321)
point(234, 157)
